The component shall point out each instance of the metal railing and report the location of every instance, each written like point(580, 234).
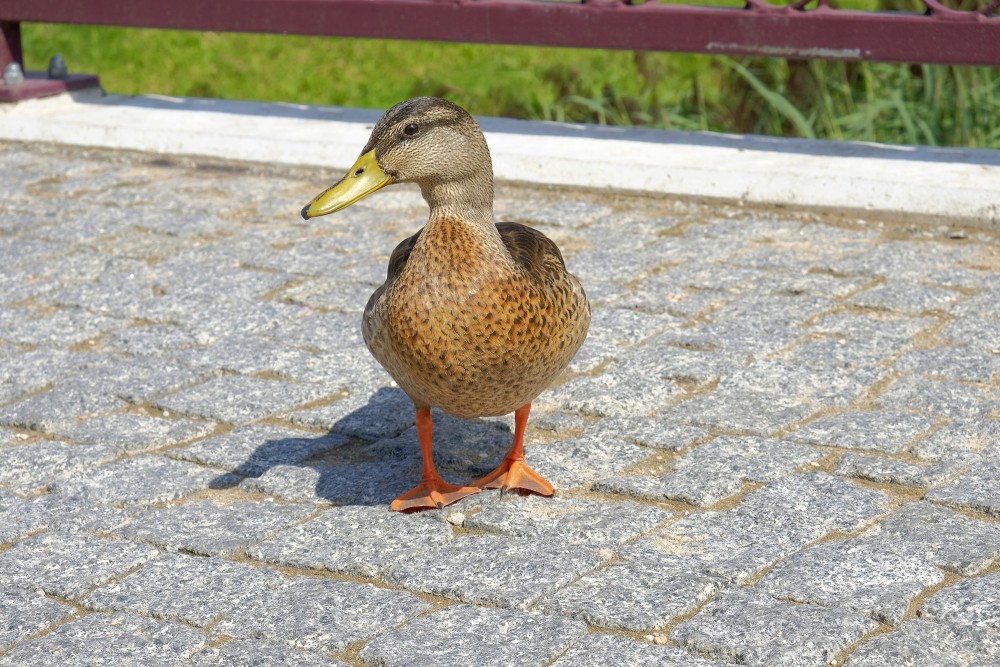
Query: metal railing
point(805, 29)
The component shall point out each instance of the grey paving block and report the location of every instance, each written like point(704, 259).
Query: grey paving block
point(194, 590)
point(961, 440)
point(751, 628)
point(658, 432)
point(603, 650)
point(205, 527)
point(567, 520)
point(894, 471)
point(259, 653)
point(24, 613)
point(922, 643)
point(972, 603)
point(151, 340)
point(320, 614)
point(940, 398)
point(637, 595)
point(616, 392)
point(58, 407)
point(464, 635)
point(142, 479)
point(768, 525)
point(63, 328)
point(886, 431)
point(99, 639)
point(236, 399)
point(770, 396)
point(953, 363)
point(682, 358)
point(906, 297)
point(717, 469)
point(30, 467)
point(978, 489)
point(131, 433)
point(252, 450)
point(873, 577)
point(354, 540)
point(949, 540)
point(375, 483)
point(975, 331)
point(577, 461)
point(488, 569)
point(383, 414)
point(69, 565)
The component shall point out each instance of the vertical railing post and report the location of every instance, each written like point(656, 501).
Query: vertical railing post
point(10, 43)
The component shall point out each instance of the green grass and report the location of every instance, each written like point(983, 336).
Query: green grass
point(935, 105)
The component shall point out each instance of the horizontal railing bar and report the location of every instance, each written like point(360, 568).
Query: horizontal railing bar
point(944, 37)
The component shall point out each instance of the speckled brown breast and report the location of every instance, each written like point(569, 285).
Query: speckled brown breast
point(472, 333)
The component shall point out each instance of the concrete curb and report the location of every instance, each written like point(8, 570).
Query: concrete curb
point(959, 185)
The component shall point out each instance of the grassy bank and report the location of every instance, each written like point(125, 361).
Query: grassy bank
point(933, 105)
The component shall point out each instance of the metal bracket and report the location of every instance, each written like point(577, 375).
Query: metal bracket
point(35, 84)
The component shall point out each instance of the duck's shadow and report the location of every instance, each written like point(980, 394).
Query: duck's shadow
point(370, 455)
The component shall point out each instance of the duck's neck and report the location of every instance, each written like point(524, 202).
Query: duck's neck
point(469, 200)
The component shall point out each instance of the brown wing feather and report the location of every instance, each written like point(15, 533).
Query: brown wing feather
point(533, 251)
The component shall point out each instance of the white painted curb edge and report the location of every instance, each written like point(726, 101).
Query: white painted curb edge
point(950, 184)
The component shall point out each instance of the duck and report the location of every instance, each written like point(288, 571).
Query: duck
point(476, 317)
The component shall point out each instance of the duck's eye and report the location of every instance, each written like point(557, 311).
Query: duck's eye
point(410, 129)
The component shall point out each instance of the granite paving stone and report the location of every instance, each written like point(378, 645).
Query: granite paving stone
point(131, 433)
point(906, 297)
point(462, 635)
point(717, 469)
point(603, 650)
point(953, 363)
point(320, 614)
point(922, 643)
point(941, 398)
point(751, 628)
point(237, 399)
point(975, 331)
point(354, 540)
point(370, 483)
point(567, 520)
point(69, 565)
point(579, 461)
point(259, 653)
point(872, 576)
point(975, 490)
point(194, 590)
point(36, 465)
point(970, 603)
point(494, 570)
point(24, 613)
point(894, 471)
point(142, 479)
point(128, 641)
point(887, 431)
point(252, 450)
point(961, 440)
point(208, 528)
point(769, 524)
point(614, 393)
point(636, 595)
point(949, 540)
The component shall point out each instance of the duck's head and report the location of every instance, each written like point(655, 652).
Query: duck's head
point(428, 141)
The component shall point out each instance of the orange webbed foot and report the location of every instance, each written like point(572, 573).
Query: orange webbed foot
point(431, 494)
point(516, 475)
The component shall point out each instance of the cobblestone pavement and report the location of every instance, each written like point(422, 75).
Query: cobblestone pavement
point(779, 446)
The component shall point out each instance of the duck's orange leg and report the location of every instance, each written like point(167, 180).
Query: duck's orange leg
point(514, 472)
point(432, 492)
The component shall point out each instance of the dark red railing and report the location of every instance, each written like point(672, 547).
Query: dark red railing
point(804, 29)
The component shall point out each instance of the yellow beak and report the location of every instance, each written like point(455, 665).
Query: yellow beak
point(364, 178)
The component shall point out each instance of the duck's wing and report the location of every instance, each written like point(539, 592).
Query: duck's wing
point(533, 251)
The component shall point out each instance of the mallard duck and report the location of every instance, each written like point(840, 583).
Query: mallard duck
point(476, 317)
